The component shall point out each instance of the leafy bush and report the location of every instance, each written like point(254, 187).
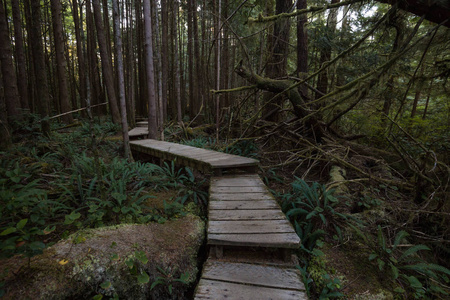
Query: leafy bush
point(312, 208)
point(405, 266)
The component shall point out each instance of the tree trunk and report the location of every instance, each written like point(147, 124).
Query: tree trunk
point(12, 98)
point(165, 53)
point(121, 79)
point(39, 65)
point(157, 60)
point(302, 46)
point(106, 62)
point(60, 61)
point(197, 73)
point(152, 121)
point(176, 63)
point(22, 82)
point(80, 53)
point(277, 63)
point(325, 54)
point(5, 133)
point(190, 53)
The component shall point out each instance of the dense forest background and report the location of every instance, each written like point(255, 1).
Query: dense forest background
point(356, 91)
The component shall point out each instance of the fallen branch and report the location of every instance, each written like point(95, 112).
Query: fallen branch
point(76, 110)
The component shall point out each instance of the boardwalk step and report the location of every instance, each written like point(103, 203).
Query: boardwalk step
point(243, 213)
point(230, 280)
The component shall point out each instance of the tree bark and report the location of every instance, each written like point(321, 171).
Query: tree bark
point(60, 61)
point(277, 62)
point(121, 79)
point(190, 53)
point(22, 82)
point(176, 65)
point(106, 62)
point(5, 133)
point(152, 113)
point(40, 75)
point(302, 46)
point(11, 92)
point(325, 53)
point(165, 54)
point(80, 54)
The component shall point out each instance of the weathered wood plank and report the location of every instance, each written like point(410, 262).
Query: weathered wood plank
point(272, 240)
point(257, 226)
point(234, 205)
point(236, 182)
point(138, 131)
point(238, 197)
point(142, 124)
point(218, 290)
point(204, 157)
point(267, 276)
point(238, 189)
point(228, 215)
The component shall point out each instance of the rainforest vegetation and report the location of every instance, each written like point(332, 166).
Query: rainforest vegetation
point(346, 104)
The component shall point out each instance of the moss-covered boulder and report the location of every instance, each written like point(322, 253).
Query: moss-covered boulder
point(126, 261)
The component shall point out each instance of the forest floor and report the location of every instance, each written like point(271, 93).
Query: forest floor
point(361, 239)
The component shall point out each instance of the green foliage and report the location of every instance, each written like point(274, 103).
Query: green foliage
point(85, 185)
point(405, 266)
point(167, 278)
point(312, 208)
point(245, 148)
point(200, 142)
point(192, 190)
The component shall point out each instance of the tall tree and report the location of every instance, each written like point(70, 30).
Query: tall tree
point(277, 62)
point(40, 76)
point(9, 74)
point(152, 113)
point(22, 82)
point(165, 52)
point(106, 62)
point(176, 64)
point(80, 53)
point(5, 133)
point(60, 60)
point(121, 79)
point(325, 54)
point(302, 45)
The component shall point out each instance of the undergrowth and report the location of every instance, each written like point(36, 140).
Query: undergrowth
point(319, 217)
point(77, 178)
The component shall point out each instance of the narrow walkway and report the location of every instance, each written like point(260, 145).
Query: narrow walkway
point(196, 158)
point(251, 241)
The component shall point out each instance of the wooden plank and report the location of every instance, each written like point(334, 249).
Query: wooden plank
point(235, 205)
point(233, 161)
point(229, 215)
point(261, 275)
point(236, 182)
point(238, 189)
point(240, 197)
point(256, 226)
point(138, 131)
point(142, 124)
point(272, 240)
point(218, 290)
point(212, 159)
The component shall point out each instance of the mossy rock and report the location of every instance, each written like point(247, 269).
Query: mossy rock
point(78, 268)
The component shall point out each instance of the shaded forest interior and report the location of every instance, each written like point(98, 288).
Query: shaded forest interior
point(345, 103)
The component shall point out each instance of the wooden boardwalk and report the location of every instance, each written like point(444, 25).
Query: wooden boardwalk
point(251, 241)
point(242, 212)
point(196, 158)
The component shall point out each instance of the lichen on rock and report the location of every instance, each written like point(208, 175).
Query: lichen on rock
point(69, 270)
